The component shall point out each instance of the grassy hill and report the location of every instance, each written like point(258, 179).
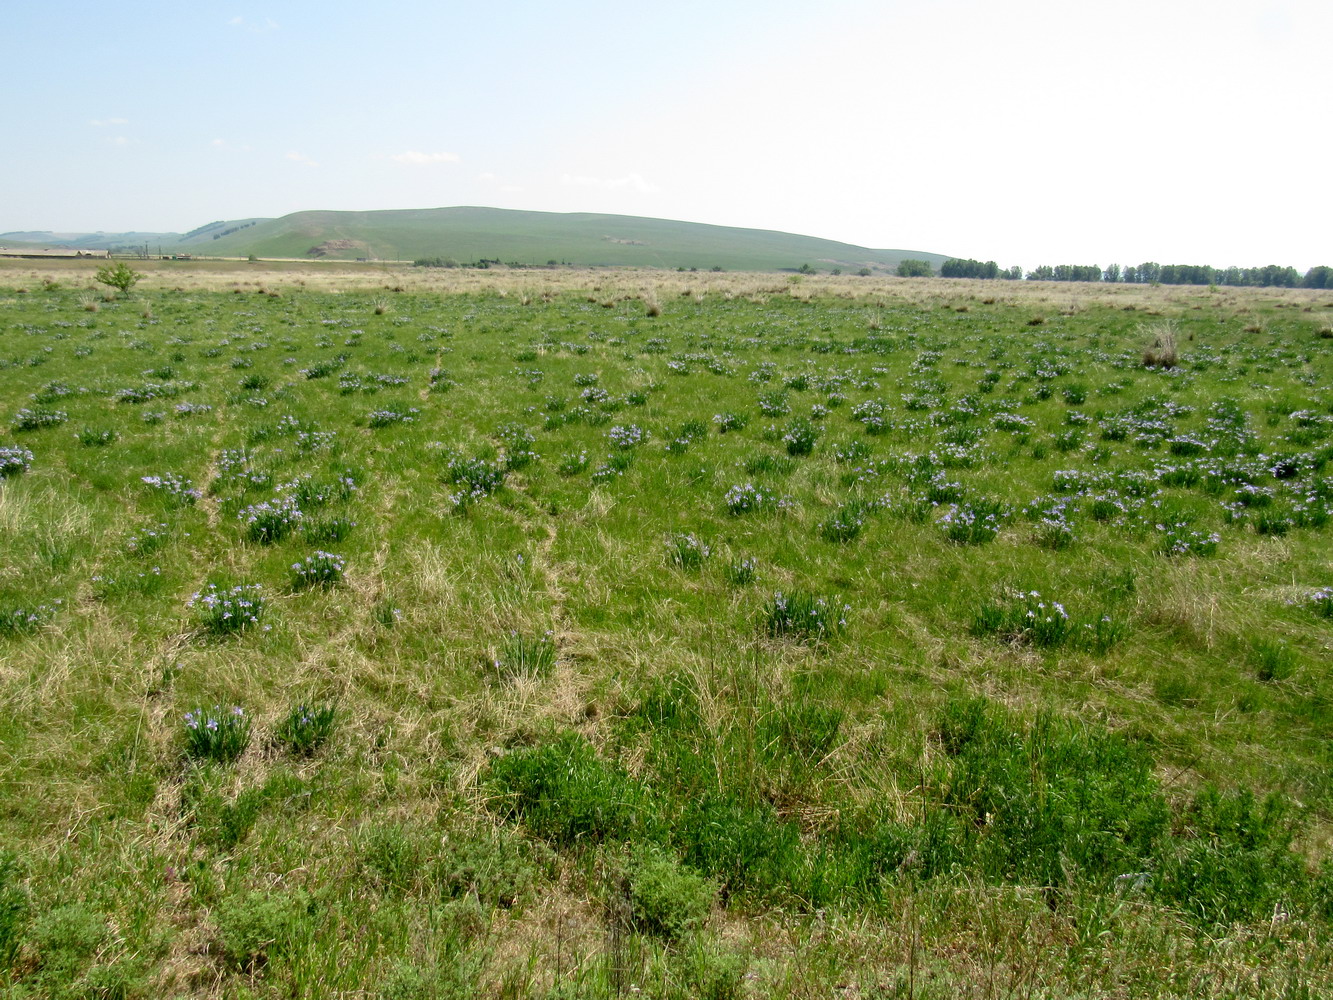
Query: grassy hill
point(469, 234)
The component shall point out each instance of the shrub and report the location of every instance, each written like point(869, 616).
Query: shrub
point(119, 276)
point(747, 497)
point(306, 728)
point(973, 522)
point(65, 939)
point(259, 925)
point(666, 898)
point(390, 415)
point(1029, 619)
point(495, 867)
point(573, 463)
point(216, 734)
point(564, 793)
point(845, 523)
point(1049, 801)
point(1235, 861)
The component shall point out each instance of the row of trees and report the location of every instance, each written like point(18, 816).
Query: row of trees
point(1148, 273)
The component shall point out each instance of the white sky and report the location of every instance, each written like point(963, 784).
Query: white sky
point(1025, 132)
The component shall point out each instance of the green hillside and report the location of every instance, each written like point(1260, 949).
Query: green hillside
point(470, 234)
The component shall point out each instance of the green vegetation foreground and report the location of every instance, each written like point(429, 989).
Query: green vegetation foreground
point(574, 644)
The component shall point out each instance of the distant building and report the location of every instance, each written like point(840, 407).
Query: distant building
point(48, 253)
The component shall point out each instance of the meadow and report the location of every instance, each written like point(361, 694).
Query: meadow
point(372, 632)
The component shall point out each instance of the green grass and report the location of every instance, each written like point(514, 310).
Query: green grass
point(578, 675)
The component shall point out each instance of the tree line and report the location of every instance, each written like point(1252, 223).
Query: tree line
point(1148, 273)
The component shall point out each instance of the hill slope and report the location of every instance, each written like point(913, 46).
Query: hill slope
point(469, 234)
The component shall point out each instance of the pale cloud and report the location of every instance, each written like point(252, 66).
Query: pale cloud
point(103, 122)
point(296, 157)
point(257, 27)
point(417, 159)
point(120, 140)
point(218, 142)
point(632, 181)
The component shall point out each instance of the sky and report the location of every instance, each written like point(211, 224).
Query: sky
point(1042, 132)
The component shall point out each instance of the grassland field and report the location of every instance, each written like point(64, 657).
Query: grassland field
point(381, 632)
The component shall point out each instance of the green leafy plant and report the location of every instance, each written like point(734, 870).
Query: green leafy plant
point(119, 276)
point(306, 728)
point(215, 734)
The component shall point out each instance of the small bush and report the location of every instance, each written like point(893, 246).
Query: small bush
point(119, 276)
point(564, 793)
point(271, 521)
point(495, 867)
point(64, 940)
point(1234, 860)
point(666, 898)
point(259, 925)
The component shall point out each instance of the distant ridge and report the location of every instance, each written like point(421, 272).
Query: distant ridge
point(469, 234)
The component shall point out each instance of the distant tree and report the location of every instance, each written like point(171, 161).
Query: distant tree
point(1112, 273)
point(957, 268)
point(119, 276)
point(1318, 277)
point(1043, 273)
point(1014, 273)
point(864, 272)
point(806, 269)
point(836, 270)
point(910, 268)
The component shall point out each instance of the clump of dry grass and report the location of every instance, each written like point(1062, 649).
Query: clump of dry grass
point(1161, 350)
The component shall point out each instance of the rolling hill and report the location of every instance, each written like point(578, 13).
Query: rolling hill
point(469, 234)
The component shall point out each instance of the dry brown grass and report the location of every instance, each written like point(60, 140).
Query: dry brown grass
point(609, 286)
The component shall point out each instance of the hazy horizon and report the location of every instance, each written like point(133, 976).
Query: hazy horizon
point(1035, 134)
